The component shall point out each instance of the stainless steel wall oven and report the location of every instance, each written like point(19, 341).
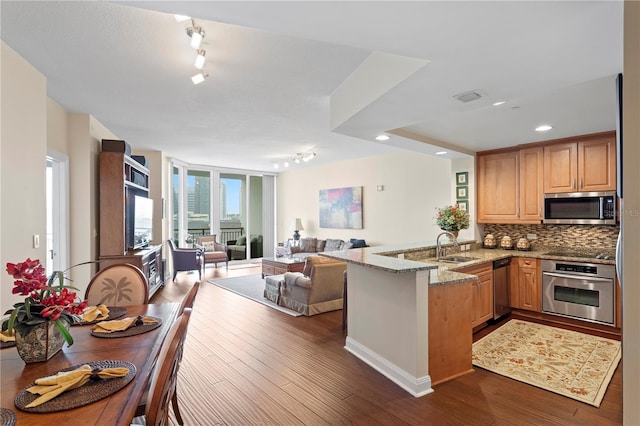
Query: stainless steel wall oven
point(580, 290)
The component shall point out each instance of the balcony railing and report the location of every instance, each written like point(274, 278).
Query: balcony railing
point(226, 234)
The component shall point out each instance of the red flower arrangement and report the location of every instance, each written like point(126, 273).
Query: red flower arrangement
point(45, 301)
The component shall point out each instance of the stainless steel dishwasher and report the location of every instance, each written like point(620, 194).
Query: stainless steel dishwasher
point(501, 293)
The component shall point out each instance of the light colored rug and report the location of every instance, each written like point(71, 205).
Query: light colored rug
point(569, 363)
point(251, 287)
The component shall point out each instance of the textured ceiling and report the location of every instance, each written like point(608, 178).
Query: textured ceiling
point(273, 67)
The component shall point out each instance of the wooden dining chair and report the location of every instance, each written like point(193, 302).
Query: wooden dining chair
point(118, 285)
point(190, 298)
point(164, 379)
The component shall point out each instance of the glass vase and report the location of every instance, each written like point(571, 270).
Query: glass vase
point(39, 342)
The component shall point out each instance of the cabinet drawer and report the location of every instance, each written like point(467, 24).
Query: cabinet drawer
point(268, 269)
point(525, 262)
point(279, 270)
point(483, 268)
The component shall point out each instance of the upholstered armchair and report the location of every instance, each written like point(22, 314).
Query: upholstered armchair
point(185, 259)
point(213, 251)
point(317, 289)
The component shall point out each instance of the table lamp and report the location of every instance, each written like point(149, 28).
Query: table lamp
point(296, 226)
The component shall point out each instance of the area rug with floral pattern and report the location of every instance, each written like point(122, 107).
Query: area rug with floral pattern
point(573, 364)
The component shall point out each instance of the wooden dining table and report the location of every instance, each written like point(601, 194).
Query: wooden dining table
point(117, 409)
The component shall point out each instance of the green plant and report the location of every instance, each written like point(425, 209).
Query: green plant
point(452, 218)
point(46, 300)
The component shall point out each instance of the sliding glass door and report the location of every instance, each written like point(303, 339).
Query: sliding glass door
point(228, 204)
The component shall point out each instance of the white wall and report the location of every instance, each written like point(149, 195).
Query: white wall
point(23, 151)
point(414, 185)
point(631, 218)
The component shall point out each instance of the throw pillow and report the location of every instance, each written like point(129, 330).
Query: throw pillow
point(320, 245)
point(242, 241)
point(346, 245)
point(308, 245)
point(209, 246)
point(358, 243)
point(332, 245)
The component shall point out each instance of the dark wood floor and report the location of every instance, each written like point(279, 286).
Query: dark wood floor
point(247, 364)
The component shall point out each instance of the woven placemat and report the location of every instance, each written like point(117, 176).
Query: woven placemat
point(7, 344)
point(7, 417)
point(114, 312)
point(131, 331)
point(86, 394)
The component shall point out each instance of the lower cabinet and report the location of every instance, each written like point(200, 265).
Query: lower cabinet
point(149, 261)
point(450, 339)
point(482, 293)
point(526, 287)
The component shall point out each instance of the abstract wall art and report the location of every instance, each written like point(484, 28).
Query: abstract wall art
point(341, 208)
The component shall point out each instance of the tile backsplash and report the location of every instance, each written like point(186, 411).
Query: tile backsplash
point(578, 236)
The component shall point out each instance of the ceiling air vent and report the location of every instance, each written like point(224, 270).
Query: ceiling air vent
point(468, 96)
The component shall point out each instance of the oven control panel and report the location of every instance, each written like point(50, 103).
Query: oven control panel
point(581, 269)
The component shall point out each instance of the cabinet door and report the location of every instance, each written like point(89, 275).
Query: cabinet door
point(482, 293)
point(484, 304)
point(531, 184)
point(561, 168)
point(498, 189)
point(597, 165)
point(529, 287)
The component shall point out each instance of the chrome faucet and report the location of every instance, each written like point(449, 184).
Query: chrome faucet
point(442, 251)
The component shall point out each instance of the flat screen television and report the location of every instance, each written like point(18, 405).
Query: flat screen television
point(142, 222)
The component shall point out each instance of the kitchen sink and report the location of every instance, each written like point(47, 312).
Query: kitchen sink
point(456, 259)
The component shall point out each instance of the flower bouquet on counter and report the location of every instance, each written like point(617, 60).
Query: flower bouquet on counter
point(452, 219)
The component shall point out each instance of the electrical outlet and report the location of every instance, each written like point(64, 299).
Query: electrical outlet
point(532, 237)
point(36, 241)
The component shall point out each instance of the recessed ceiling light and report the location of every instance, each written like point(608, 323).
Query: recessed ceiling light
point(543, 128)
point(499, 103)
point(382, 138)
point(441, 152)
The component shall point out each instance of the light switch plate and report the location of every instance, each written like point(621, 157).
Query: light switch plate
point(36, 241)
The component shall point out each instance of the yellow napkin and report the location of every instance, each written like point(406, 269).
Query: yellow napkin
point(51, 386)
point(120, 325)
point(93, 313)
point(5, 337)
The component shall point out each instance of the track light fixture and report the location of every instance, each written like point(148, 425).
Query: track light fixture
point(197, 35)
point(199, 63)
point(297, 159)
point(199, 78)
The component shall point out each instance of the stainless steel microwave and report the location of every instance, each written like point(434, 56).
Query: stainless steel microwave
point(580, 208)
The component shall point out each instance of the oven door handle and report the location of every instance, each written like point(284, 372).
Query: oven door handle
point(576, 277)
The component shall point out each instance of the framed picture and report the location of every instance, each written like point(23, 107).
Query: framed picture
point(463, 205)
point(462, 178)
point(341, 208)
point(462, 192)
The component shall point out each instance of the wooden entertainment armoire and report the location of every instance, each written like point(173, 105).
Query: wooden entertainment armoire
point(121, 177)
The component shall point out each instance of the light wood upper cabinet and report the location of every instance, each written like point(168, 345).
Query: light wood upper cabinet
point(531, 184)
point(597, 165)
point(510, 186)
point(584, 166)
point(498, 188)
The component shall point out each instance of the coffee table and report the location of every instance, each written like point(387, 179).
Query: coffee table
point(280, 265)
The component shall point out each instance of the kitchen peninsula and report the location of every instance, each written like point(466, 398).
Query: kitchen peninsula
point(391, 319)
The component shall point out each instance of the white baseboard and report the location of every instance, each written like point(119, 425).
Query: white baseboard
point(414, 385)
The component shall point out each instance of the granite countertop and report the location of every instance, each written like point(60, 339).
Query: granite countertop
point(413, 257)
